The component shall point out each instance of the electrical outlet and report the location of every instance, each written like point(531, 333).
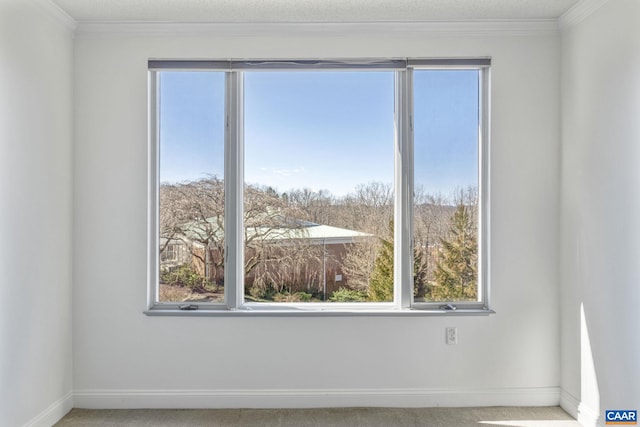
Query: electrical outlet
point(452, 336)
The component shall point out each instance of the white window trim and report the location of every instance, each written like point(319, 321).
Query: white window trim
point(234, 303)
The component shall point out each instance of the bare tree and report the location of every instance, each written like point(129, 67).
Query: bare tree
point(358, 263)
point(315, 206)
point(192, 213)
point(278, 256)
point(267, 218)
point(369, 209)
point(294, 266)
point(432, 213)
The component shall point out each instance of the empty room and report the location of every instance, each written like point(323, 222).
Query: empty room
point(319, 212)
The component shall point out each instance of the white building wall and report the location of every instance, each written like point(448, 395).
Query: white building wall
point(36, 76)
point(124, 358)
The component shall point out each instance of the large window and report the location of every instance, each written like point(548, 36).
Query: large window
point(318, 186)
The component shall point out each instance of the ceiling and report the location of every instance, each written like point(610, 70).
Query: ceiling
point(312, 10)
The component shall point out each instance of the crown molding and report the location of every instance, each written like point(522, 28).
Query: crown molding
point(246, 29)
point(55, 12)
point(579, 12)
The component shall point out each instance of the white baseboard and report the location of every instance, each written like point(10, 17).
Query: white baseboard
point(53, 413)
point(585, 415)
point(185, 399)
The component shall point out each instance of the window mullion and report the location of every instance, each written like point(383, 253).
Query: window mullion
point(483, 187)
point(154, 178)
point(403, 257)
point(234, 182)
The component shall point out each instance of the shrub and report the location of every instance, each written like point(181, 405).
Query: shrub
point(260, 293)
point(304, 297)
point(184, 276)
point(289, 297)
point(347, 295)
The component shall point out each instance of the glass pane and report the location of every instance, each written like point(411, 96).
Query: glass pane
point(191, 135)
point(446, 185)
point(318, 186)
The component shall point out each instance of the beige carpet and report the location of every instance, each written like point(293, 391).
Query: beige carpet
point(332, 417)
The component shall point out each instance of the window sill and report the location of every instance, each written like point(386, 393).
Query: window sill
point(315, 312)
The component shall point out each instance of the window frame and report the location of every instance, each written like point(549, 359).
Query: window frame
point(403, 185)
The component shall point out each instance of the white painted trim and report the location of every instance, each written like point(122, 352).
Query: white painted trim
point(304, 398)
point(584, 414)
point(403, 191)
point(569, 403)
point(498, 28)
point(579, 12)
point(53, 413)
point(55, 12)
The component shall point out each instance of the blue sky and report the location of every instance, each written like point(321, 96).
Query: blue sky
point(326, 130)
point(321, 130)
point(445, 130)
point(191, 125)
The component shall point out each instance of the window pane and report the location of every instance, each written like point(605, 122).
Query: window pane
point(319, 186)
point(446, 185)
point(191, 135)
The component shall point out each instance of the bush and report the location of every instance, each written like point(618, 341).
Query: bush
point(259, 293)
point(347, 295)
point(184, 276)
point(289, 297)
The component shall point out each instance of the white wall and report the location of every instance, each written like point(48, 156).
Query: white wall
point(123, 358)
point(35, 214)
point(601, 211)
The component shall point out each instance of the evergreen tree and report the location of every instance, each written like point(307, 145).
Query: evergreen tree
point(381, 281)
point(419, 272)
point(456, 273)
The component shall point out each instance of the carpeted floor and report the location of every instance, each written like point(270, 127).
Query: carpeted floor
point(331, 417)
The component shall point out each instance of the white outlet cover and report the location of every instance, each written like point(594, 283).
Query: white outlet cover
point(451, 335)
